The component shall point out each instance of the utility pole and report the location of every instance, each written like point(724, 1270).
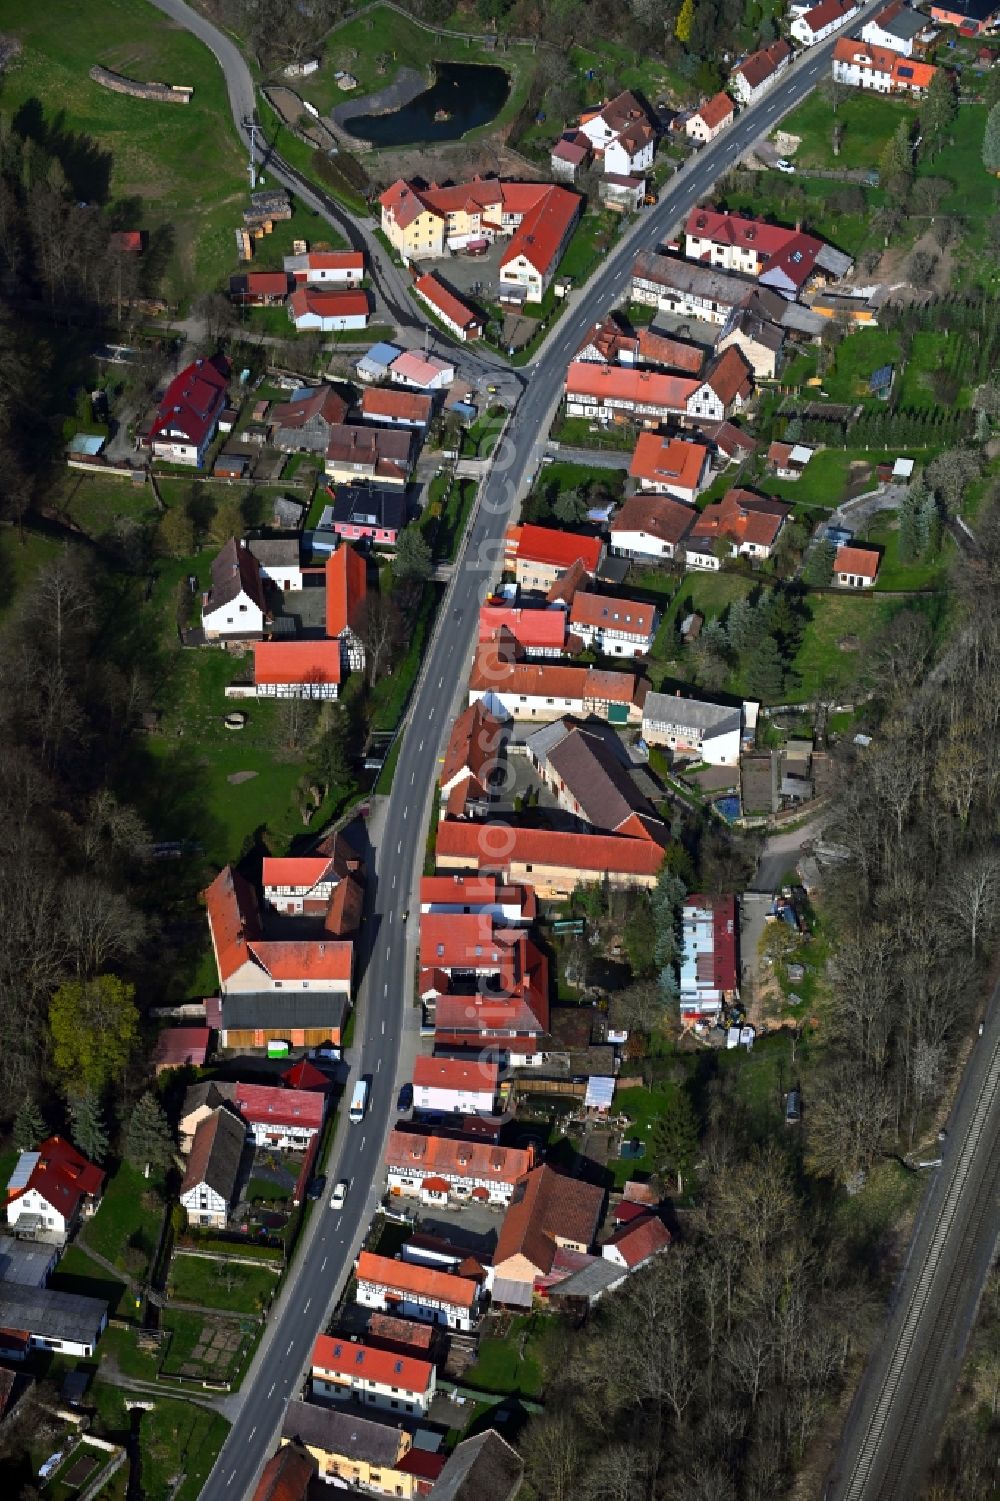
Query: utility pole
point(250, 126)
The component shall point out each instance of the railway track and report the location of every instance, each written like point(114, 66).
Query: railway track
point(929, 1329)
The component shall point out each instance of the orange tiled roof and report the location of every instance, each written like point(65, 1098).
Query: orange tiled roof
point(296, 662)
point(659, 516)
point(346, 588)
point(479, 845)
point(664, 461)
point(233, 919)
point(671, 393)
point(716, 109)
point(354, 1359)
point(409, 1277)
point(862, 561)
point(458, 1159)
point(455, 1073)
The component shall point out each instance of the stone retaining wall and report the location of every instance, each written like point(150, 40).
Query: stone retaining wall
point(162, 93)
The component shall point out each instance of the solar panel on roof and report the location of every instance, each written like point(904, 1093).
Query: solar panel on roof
point(880, 378)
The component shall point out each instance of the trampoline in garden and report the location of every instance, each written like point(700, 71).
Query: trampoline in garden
point(729, 807)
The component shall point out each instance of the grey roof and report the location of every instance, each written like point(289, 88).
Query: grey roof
point(678, 275)
point(216, 1153)
point(693, 713)
point(591, 1281)
point(341, 1430)
point(210, 1092)
point(484, 1468)
point(540, 742)
point(275, 550)
point(234, 569)
point(595, 777)
point(802, 320)
point(906, 24)
point(512, 1294)
point(26, 1262)
point(760, 330)
point(287, 512)
point(834, 261)
point(284, 1008)
point(54, 1315)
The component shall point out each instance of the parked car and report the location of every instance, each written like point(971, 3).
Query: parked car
point(783, 165)
point(405, 1097)
point(339, 1195)
point(316, 1187)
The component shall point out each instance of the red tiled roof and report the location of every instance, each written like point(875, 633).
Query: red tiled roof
point(640, 1239)
point(494, 670)
point(475, 891)
point(62, 1175)
point(660, 349)
point(543, 228)
point(559, 549)
point(335, 260)
point(193, 400)
point(455, 1073)
point(233, 920)
point(444, 301)
point(286, 1475)
point(321, 401)
point(530, 628)
point(396, 1331)
point(716, 109)
point(546, 1204)
point(346, 588)
point(267, 283)
point(671, 393)
point(296, 662)
point(826, 13)
point(906, 72)
point(470, 940)
point(568, 149)
point(264, 1104)
point(352, 1358)
point(730, 375)
point(862, 561)
point(626, 615)
point(659, 516)
point(421, 1463)
point(409, 1277)
point(301, 871)
point(457, 1159)
point(761, 64)
point(496, 847)
point(176, 1046)
point(723, 955)
point(326, 959)
point(475, 746)
point(346, 908)
point(744, 517)
point(663, 461)
point(305, 1075)
point(392, 403)
point(339, 304)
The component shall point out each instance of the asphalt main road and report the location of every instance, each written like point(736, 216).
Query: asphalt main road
point(331, 1238)
point(893, 1427)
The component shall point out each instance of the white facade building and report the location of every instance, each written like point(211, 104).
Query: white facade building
point(692, 728)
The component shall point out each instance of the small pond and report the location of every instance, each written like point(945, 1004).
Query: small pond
point(463, 96)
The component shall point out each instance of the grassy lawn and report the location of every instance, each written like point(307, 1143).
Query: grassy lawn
point(931, 351)
point(96, 503)
point(642, 1106)
point(175, 1438)
point(388, 697)
point(122, 1347)
point(181, 162)
point(480, 439)
point(828, 478)
point(971, 198)
point(591, 240)
point(221, 1284)
point(79, 1273)
point(263, 1188)
point(506, 1363)
point(858, 357)
point(811, 200)
point(128, 1216)
point(580, 477)
point(923, 573)
point(226, 1346)
point(868, 121)
point(821, 663)
point(20, 561)
point(580, 432)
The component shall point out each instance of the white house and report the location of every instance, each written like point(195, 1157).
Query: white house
point(896, 27)
point(708, 968)
point(327, 268)
point(187, 417)
point(614, 627)
point(208, 1188)
point(51, 1189)
point(478, 1170)
point(752, 78)
point(456, 1086)
point(299, 883)
point(622, 133)
point(297, 669)
point(328, 312)
point(636, 1242)
point(235, 605)
point(710, 118)
point(856, 567)
point(822, 20)
point(694, 729)
point(351, 1370)
point(651, 526)
point(278, 560)
point(412, 1291)
point(281, 1119)
point(39, 1318)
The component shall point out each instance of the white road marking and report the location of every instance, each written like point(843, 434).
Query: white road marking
point(385, 988)
point(231, 1478)
point(253, 1430)
point(390, 916)
point(363, 1140)
point(272, 1389)
point(383, 1028)
point(322, 1269)
point(305, 1306)
point(421, 746)
point(399, 847)
point(405, 811)
point(394, 883)
point(412, 775)
point(378, 1063)
point(289, 1350)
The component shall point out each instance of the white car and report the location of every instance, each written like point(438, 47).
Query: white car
point(783, 165)
point(339, 1195)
